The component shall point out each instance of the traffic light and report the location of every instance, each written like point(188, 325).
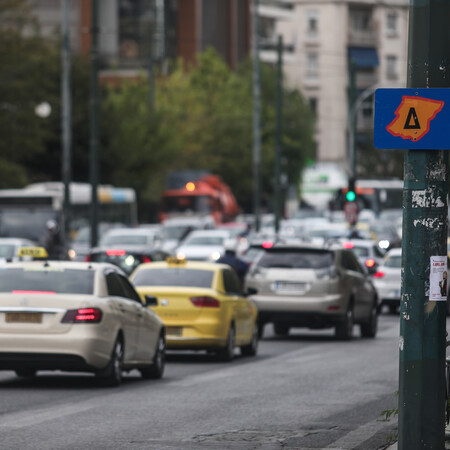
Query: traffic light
point(351, 191)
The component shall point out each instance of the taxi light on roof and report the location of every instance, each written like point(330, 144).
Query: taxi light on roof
point(34, 252)
point(348, 245)
point(370, 262)
point(190, 186)
point(267, 244)
point(178, 260)
point(116, 252)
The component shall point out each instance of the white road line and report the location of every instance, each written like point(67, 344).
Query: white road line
point(37, 416)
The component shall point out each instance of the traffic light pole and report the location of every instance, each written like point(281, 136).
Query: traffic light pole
point(422, 321)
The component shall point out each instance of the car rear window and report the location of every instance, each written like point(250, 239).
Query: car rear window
point(360, 252)
point(296, 259)
point(40, 279)
point(174, 277)
point(124, 239)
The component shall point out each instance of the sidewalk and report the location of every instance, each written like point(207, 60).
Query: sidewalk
point(447, 441)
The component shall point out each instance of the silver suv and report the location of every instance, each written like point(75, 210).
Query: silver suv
point(313, 287)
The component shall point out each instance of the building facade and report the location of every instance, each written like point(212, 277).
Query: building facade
point(133, 31)
point(336, 49)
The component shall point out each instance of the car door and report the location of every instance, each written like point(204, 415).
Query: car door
point(147, 332)
point(242, 314)
point(126, 311)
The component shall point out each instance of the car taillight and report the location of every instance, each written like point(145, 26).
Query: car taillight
point(208, 302)
point(378, 275)
point(115, 252)
point(370, 262)
point(88, 258)
point(83, 315)
point(146, 259)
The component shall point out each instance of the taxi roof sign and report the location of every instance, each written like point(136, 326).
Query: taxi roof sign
point(34, 252)
point(412, 119)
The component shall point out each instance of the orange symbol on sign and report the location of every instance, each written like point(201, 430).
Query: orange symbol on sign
point(413, 117)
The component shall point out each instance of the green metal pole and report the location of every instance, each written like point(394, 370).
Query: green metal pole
point(279, 131)
point(422, 322)
point(256, 120)
point(94, 125)
point(66, 125)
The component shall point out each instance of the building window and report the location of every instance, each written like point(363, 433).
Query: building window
point(391, 24)
point(361, 20)
point(312, 65)
point(391, 67)
point(313, 104)
point(312, 24)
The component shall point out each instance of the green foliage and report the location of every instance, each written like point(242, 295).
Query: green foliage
point(203, 120)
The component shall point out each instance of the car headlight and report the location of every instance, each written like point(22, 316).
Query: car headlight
point(214, 256)
point(181, 255)
point(71, 253)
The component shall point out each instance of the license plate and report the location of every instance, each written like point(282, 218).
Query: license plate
point(23, 317)
point(174, 331)
point(287, 286)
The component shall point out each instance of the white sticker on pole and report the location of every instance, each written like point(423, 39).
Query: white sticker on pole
point(438, 278)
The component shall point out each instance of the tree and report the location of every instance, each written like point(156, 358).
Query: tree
point(203, 120)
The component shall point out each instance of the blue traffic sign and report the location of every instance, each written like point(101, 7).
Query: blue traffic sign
point(412, 119)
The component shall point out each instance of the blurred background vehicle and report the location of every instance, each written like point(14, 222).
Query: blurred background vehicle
point(149, 237)
point(174, 230)
point(9, 248)
point(388, 280)
point(127, 257)
point(369, 254)
point(201, 305)
point(203, 245)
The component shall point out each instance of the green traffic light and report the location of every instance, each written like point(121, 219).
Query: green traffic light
point(350, 196)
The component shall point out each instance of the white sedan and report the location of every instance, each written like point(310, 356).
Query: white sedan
point(388, 280)
point(76, 316)
point(203, 245)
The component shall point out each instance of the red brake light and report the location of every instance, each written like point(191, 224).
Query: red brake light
point(116, 252)
point(348, 245)
point(146, 259)
point(209, 302)
point(83, 315)
point(370, 262)
point(87, 258)
point(267, 244)
point(378, 275)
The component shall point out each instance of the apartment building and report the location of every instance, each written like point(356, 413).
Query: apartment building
point(132, 31)
point(332, 46)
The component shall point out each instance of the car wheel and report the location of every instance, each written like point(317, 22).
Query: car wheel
point(281, 330)
point(156, 370)
point(344, 329)
point(252, 348)
point(26, 373)
point(227, 353)
point(369, 329)
point(113, 372)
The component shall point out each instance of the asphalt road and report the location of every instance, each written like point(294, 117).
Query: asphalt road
point(306, 391)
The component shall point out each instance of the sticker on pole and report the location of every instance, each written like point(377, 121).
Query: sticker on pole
point(412, 119)
point(438, 278)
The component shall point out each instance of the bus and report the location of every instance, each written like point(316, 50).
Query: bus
point(26, 212)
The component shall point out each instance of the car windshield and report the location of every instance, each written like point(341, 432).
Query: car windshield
point(124, 239)
point(6, 250)
point(39, 279)
point(204, 240)
point(393, 261)
point(296, 259)
point(174, 277)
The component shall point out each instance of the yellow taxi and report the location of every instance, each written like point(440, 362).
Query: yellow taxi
point(201, 305)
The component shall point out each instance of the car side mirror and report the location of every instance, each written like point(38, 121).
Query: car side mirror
point(150, 300)
point(251, 291)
